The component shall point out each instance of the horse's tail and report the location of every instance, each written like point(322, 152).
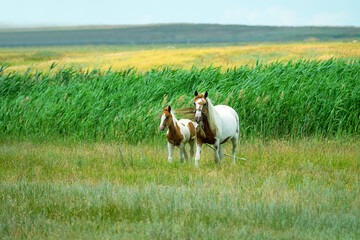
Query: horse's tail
point(237, 121)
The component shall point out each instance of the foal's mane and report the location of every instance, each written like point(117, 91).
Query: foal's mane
point(173, 116)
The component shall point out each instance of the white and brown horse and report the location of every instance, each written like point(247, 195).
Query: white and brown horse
point(179, 133)
point(216, 125)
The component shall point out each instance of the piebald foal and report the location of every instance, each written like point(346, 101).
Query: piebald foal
point(179, 133)
point(216, 125)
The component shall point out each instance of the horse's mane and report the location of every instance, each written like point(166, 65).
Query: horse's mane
point(212, 116)
point(188, 113)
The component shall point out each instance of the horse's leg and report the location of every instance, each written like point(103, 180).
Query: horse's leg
point(221, 154)
point(216, 151)
point(234, 141)
point(171, 151)
point(198, 151)
point(192, 145)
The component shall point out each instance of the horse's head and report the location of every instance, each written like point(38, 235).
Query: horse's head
point(201, 107)
point(166, 118)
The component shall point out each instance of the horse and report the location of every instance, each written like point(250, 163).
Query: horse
point(179, 133)
point(216, 125)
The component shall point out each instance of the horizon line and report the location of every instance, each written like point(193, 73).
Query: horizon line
point(9, 27)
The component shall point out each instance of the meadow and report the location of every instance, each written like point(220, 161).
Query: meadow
point(301, 189)
point(184, 56)
point(81, 155)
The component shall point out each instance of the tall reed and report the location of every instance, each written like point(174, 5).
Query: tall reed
point(297, 98)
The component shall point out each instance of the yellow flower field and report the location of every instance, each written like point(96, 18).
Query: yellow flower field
point(145, 57)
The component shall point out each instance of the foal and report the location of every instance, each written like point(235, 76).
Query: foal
point(179, 133)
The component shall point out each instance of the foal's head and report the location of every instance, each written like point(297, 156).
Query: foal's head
point(166, 118)
point(201, 107)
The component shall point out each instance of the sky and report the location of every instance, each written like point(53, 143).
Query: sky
point(33, 13)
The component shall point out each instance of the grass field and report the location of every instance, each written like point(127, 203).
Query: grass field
point(183, 56)
point(302, 189)
point(81, 156)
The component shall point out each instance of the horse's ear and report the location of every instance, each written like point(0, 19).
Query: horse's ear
point(206, 94)
point(196, 93)
point(169, 108)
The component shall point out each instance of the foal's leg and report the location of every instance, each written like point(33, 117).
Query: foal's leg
point(198, 151)
point(171, 151)
point(234, 141)
point(192, 146)
point(183, 154)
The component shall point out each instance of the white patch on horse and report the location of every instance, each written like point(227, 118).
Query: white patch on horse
point(223, 121)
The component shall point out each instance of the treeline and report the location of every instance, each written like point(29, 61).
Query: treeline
point(173, 33)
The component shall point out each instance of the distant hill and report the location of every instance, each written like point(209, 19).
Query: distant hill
point(171, 33)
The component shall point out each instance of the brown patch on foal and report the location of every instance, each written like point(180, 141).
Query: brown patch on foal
point(168, 116)
point(192, 130)
point(174, 135)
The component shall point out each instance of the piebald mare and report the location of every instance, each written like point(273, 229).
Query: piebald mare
point(179, 133)
point(216, 125)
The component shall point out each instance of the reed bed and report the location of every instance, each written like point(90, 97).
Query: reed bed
point(292, 99)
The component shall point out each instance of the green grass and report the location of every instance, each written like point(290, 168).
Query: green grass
point(302, 189)
point(293, 99)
